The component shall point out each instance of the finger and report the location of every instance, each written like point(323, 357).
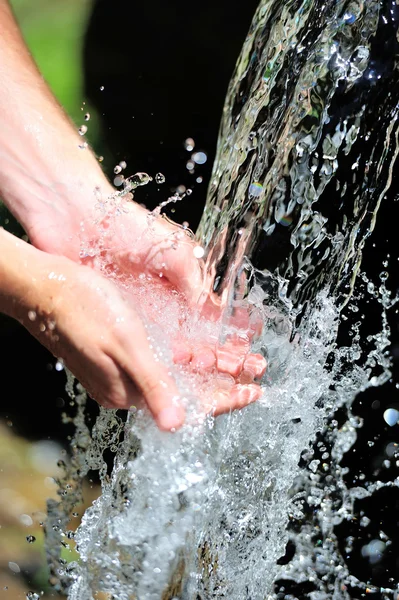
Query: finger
point(238, 397)
point(203, 359)
point(182, 353)
point(255, 364)
point(184, 270)
point(151, 377)
point(229, 359)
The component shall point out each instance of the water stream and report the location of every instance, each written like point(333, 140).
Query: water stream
point(306, 155)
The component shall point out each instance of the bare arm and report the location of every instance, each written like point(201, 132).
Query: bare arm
point(44, 172)
point(48, 182)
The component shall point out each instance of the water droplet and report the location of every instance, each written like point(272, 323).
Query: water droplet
point(82, 129)
point(32, 315)
point(349, 18)
point(117, 169)
point(87, 117)
point(137, 180)
point(255, 189)
point(26, 520)
point(14, 567)
point(189, 144)
point(160, 178)
point(198, 251)
point(391, 416)
point(200, 158)
point(30, 539)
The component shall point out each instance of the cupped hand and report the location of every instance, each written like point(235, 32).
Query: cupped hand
point(121, 238)
point(83, 318)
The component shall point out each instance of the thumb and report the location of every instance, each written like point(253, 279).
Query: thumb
point(151, 377)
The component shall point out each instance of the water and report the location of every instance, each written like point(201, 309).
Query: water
point(306, 155)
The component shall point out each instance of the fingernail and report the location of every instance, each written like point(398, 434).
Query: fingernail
point(170, 418)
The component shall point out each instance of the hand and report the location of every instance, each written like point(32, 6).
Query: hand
point(114, 234)
point(87, 321)
point(126, 242)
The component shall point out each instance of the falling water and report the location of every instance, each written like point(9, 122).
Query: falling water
point(307, 146)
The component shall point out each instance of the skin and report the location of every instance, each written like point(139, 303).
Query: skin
point(56, 189)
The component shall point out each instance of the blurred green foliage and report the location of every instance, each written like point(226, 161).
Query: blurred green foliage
point(54, 32)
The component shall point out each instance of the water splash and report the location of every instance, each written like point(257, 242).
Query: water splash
point(306, 153)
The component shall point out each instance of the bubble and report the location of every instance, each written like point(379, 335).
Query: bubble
point(198, 251)
point(255, 189)
point(391, 416)
point(189, 144)
point(100, 159)
point(82, 129)
point(101, 88)
point(32, 315)
point(117, 169)
point(189, 192)
point(32, 596)
point(160, 178)
point(185, 224)
point(87, 117)
point(118, 180)
point(30, 539)
point(181, 189)
point(59, 366)
point(199, 158)
point(199, 180)
point(123, 164)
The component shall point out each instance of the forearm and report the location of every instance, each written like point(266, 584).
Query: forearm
point(20, 275)
point(43, 167)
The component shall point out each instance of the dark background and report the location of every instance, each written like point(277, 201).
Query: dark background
point(165, 68)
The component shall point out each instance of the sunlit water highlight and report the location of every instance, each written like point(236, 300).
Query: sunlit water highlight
point(306, 153)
